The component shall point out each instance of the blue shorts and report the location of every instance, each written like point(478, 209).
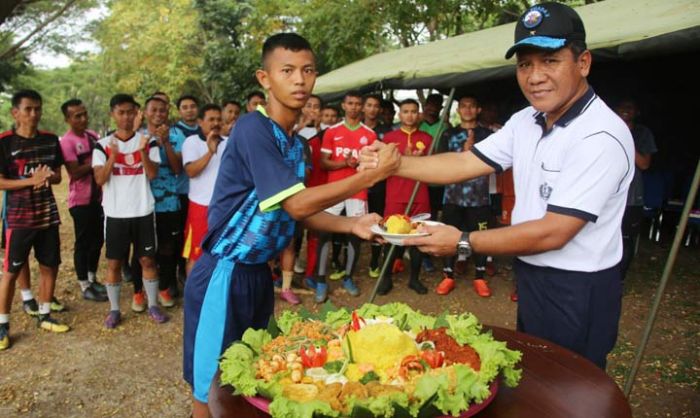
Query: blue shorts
point(222, 300)
point(577, 310)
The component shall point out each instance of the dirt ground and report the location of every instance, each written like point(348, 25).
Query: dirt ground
point(135, 371)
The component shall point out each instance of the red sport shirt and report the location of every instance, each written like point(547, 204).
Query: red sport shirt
point(341, 140)
point(318, 175)
point(399, 189)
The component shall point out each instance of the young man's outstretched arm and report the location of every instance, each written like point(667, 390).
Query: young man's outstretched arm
point(315, 199)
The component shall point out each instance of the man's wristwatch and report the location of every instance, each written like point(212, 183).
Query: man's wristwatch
point(464, 246)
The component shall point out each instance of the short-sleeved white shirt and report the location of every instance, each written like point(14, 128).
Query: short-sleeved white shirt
point(202, 185)
point(127, 192)
point(582, 167)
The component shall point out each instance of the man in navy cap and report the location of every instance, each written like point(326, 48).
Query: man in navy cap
point(573, 161)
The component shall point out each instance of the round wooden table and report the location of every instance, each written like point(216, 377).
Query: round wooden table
point(556, 383)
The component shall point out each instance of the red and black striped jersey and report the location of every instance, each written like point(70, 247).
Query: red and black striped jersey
point(29, 208)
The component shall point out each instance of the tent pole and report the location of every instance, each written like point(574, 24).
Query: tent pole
point(433, 146)
point(629, 382)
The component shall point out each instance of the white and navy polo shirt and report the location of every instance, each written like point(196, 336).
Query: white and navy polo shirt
point(582, 167)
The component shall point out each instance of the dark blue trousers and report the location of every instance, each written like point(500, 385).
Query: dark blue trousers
point(577, 310)
point(222, 300)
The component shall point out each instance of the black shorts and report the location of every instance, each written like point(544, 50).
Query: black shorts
point(376, 198)
point(120, 233)
point(169, 231)
point(472, 218)
point(19, 243)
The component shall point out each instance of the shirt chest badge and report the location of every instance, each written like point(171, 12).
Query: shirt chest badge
point(79, 147)
point(364, 140)
point(545, 191)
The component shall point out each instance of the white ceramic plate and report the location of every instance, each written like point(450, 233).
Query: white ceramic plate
point(398, 239)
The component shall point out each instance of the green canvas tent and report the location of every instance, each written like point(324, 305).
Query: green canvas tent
point(616, 30)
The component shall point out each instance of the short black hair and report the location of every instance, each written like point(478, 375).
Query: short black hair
point(25, 94)
point(352, 93)
point(376, 97)
point(287, 40)
point(232, 102)
point(331, 107)
point(577, 47)
point(186, 97)
point(156, 98)
point(208, 107)
point(70, 103)
point(435, 98)
point(469, 96)
point(409, 101)
point(160, 93)
point(388, 104)
point(121, 98)
point(256, 93)
point(317, 97)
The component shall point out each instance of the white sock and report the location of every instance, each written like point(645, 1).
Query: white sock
point(84, 284)
point(151, 286)
point(113, 290)
point(92, 276)
point(4, 318)
point(26, 294)
point(44, 308)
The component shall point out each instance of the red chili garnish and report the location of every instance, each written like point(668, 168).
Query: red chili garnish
point(313, 356)
point(357, 321)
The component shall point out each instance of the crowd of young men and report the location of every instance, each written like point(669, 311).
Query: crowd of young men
point(128, 190)
point(144, 189)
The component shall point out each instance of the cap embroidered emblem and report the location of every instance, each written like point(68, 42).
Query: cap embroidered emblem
point(534, 17)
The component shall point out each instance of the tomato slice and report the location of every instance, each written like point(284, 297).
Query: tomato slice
point(434, 358)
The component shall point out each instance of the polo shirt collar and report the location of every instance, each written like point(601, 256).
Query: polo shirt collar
point(574, 111)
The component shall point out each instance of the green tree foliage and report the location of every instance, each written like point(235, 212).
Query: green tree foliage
point(83, 79)
point(341, 31)
point(30, 25)
point(151, 45)
point(230, 50)
point(41, 24)
point(211, 48)
point(11, 67)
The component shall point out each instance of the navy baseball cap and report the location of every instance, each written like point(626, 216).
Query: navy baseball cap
point(547, 26)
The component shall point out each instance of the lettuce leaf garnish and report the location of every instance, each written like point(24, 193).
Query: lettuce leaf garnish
point(449, 393)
